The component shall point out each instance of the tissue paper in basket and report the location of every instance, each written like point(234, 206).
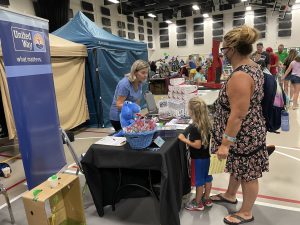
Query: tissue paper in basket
point(140, 134)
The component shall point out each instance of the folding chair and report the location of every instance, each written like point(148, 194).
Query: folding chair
point(4, 192)
point(67, 141)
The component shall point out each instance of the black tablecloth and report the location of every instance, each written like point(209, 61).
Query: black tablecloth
point(101, 166)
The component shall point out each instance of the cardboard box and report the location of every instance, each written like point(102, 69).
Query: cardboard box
point(65, 203)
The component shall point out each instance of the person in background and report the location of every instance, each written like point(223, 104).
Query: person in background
point(183, 72)
point(191, 62)
point(128, 89)
point(198, 145)
point(181, 63)
point(200, 75)
point(153, 66)
point(286, 83)
point(274, 61)
point(294, 68)
point(281, 53)
point(198, 61)
point(261, 57)
point(239, 130)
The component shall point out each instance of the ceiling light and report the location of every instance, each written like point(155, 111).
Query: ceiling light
point(114, 1)
point(195, 7)
point(243, 0)
point(168, 21)
point(248, 8)
point(151, 15)
point(205, 15)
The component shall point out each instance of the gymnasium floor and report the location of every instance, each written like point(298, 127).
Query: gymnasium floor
point(278, 201)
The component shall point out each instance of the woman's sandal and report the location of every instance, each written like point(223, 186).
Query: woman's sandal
point(222, 199)
point(241, 219)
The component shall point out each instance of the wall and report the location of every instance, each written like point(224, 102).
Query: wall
point(114, 17)
point(270, 40)
point(23, 6)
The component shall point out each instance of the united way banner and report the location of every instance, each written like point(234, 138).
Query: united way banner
point(26, 55)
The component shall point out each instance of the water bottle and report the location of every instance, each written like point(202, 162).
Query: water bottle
point(285, 125)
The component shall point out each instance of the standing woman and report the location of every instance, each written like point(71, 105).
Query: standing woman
point(292, 55)
point(239, 131)
point(128, 89)
point(294, 68)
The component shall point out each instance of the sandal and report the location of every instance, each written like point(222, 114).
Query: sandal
point(222, 199)
point(241, 219)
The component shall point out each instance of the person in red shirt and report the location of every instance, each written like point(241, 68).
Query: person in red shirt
point(274, 61)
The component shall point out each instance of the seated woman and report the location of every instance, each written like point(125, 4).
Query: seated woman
point(128, 89)
point(200, 75)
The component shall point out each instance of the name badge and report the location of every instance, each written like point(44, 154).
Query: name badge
point(159, 141)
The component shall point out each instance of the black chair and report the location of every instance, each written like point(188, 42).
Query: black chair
point(121, 187)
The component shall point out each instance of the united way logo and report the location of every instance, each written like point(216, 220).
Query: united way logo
point(28, 40)
point(38, 42)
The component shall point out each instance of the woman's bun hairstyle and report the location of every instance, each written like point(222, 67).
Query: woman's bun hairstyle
point(241, 38)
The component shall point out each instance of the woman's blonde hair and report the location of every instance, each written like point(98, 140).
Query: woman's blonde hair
point(241, 38)
point(136, 66)
point(292, 55)
point(199, 113)
point(297, 58)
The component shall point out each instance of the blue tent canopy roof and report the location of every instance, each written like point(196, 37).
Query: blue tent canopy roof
point(80, 29)
point(109, 58)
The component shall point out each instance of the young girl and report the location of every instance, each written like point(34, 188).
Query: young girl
point(198, 143)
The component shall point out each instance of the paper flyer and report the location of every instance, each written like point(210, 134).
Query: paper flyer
point(216, 165)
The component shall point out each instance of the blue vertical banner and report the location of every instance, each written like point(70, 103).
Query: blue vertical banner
point(26, 55)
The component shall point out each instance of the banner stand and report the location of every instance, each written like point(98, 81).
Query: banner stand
point(26, 55)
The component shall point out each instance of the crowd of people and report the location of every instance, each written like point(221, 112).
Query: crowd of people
point(285, 66)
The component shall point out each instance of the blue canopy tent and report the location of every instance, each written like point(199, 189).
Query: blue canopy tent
point(109, 58)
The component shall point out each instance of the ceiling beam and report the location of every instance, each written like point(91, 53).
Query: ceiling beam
point(163, 5)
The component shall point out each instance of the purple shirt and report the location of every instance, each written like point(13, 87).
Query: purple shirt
point(295, 68)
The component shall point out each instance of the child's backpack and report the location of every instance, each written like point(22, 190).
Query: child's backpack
point(273, 102)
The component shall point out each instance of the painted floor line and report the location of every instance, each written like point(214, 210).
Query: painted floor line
point(5, 146)
point(88, 138)
point(264, 196)
point(11, 201)
point(289, 156)
point(277, 206)
point(256, 203)
point(296, 149)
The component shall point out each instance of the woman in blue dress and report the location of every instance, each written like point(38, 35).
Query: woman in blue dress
point(128, 89)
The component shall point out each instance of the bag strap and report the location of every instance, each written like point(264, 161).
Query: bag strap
point(209, 147)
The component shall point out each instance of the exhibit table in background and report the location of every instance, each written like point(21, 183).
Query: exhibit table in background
point(159, 86)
